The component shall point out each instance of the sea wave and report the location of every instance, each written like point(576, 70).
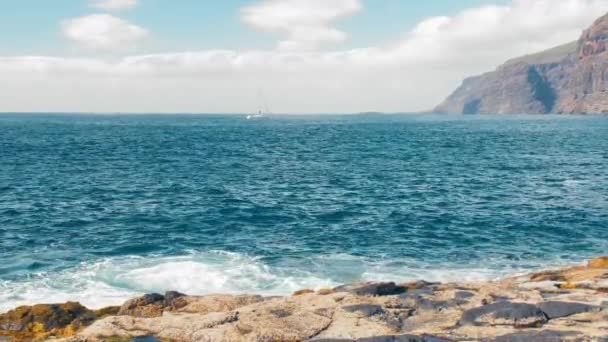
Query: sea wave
point(111, 281)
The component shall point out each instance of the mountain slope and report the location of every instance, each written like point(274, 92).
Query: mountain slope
point(571, 78)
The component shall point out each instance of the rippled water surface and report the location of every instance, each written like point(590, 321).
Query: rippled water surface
point(100, 208)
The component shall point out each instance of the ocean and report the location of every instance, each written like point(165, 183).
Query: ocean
point(101, 208)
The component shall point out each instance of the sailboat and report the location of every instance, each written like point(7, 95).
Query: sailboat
point(260, 114)
point(256, 116)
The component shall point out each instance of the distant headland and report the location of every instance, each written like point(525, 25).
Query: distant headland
point(569, 79)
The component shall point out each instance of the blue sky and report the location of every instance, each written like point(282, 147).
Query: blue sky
point(306, 56)
point(32, 26)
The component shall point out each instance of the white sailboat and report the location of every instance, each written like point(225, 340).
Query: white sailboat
point(260, 114)
point(256, 116)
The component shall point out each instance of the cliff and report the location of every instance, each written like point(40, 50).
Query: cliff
point(560, 305)
point(568, 79)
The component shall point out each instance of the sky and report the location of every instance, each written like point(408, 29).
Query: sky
point(300, 56)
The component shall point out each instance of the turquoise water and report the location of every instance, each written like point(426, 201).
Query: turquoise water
point(101, 208)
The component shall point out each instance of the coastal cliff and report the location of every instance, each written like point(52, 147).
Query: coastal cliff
point(560, 305)
point(569, 79)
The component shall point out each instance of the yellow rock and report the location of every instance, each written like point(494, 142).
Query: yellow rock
point(568, 286)
point(303, 292)
point(601, 262)
point(325, 292)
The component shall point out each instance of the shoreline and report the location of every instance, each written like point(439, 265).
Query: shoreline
point(552, 305)
point(111, 281)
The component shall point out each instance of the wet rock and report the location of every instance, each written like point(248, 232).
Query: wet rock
point(564, 309)
point(542, 336)
point(519, 315)
point(372, 289)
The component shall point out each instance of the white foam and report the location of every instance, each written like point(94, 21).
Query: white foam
point(112, 281)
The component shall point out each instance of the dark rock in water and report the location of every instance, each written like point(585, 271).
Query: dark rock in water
point(542, 336)
point(520, 315)
point(372, 289)
point(365, 310)
point(565, 309)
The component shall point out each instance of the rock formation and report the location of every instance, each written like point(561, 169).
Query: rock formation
point(569, 79)
point(560, 305)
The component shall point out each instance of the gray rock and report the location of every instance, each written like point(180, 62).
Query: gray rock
point(365, 310)
point(422, 303)
point(170, 296)
point(403, 338)
point(152, 298)
point(372, 289)
point(463, 295)
point(12, 326)
point(565, 309)
point(541, 336)
point(520, 315)
point(391, 338)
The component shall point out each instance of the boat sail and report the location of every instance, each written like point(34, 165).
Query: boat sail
point(261, 114)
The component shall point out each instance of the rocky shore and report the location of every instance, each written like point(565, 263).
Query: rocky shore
point(559, 305)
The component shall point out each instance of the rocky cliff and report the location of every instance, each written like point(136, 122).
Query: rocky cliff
point(572, 78)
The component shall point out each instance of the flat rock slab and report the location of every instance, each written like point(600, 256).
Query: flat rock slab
point(392, 338)
point(564, 309)
point(365, 310)
point(519, 315)
point(542, 336)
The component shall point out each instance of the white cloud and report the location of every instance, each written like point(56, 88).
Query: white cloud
point(413, 73)
point(102, 31)
point(307, 23)
point(115, 5)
